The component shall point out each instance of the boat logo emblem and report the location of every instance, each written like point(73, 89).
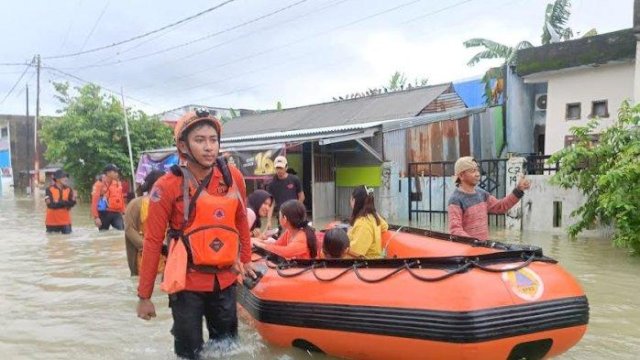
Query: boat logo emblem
point(525, 283)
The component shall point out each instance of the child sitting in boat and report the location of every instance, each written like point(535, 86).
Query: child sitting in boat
point(335, 244)
point(298, 240)
point(367, 226)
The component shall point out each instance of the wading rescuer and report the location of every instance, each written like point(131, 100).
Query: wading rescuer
point(209, 249)
point(60, 198)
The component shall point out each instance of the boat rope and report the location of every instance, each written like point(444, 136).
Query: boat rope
point(408, 266)
point(382, 278)
point(315, 274)
point(457, 270)
point(477, 264)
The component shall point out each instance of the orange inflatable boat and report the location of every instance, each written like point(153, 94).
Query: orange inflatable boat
point(434, 296)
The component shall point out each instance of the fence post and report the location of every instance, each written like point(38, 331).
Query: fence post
point(515, 168)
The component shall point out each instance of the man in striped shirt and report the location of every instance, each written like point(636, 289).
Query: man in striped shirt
point(469, 206)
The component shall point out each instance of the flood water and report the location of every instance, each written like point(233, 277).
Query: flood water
point(71, 297)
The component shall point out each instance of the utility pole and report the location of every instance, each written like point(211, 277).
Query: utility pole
point(28, 147)
point(36, 158)
point(126, 129)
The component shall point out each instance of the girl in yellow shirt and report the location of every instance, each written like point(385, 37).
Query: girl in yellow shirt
point(365, 235)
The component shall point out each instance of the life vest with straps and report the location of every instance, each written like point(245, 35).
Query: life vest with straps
point(113, 194)
point(209, 231)
point(58, 216)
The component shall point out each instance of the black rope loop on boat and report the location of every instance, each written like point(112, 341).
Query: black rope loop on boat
point(528, 261)
point(382, 278)
point(457, 270)
point(287, 265)
point(324, 265)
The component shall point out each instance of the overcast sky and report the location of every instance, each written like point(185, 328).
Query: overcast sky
point(257, 52)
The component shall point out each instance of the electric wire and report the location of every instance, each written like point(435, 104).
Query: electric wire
point(137, 37)
point(83, 81)
point(16, 84)
point(191, 42)
point(95, 25)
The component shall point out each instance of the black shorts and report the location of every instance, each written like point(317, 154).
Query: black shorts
point(110, 218)
point(65, 229)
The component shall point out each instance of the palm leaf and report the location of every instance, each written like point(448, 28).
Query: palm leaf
point(559, 15)
point(493, 50)
point(556, 15)
point(487, 54)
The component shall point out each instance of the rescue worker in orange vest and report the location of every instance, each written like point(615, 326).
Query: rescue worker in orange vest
point(107, 200)
point(60, 198)
point(135, 218)
point(214, 231)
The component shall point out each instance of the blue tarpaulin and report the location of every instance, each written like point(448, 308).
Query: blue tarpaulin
point(471, 92)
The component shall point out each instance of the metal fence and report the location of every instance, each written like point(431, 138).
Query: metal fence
point(431, 184)
point(540, 165)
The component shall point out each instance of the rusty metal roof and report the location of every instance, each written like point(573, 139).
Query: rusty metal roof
point(394, 105)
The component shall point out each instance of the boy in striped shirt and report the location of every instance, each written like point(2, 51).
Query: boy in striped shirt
point(469, 206)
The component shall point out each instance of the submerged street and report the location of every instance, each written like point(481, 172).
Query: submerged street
point(71, 297)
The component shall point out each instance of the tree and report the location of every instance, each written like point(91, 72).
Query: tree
point(228, 117)
point(608, 173)
point(494, 50)
point(397, 81)
point(556, 16)
point(90, 134)
point(554, 29)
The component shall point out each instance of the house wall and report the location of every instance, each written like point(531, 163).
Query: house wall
point(21, 145)
point(613, 83)
point(324, 200)
point(538, 207)
point(636, 83)
point(520, 114)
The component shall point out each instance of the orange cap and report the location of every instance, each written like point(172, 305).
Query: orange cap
point(193, 117)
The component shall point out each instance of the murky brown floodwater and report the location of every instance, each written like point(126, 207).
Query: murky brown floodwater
point(71, 297)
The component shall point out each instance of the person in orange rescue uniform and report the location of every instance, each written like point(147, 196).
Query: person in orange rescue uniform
point(107, 200)
point(60, 198)
point(215, 234)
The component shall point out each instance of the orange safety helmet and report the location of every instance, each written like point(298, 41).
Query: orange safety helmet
point(193, 117)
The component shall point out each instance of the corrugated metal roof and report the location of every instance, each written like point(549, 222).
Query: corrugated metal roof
point(394, 105)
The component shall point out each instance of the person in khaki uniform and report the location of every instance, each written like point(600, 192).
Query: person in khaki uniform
point(135, 217)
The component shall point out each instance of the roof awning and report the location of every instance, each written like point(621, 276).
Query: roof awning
point(322, 136)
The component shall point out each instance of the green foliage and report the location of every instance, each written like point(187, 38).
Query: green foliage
point(232, 115)
point(397, 81)
point(556, 16)
point(90, 133)
point(608, 173)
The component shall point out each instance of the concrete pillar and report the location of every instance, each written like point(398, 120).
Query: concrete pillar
point(389, 191)
point(636, 29)
point(515, 169)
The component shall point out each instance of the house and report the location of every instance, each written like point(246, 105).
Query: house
point(557, 86)
point(371, 140)
point(381, 140)
point(17, 151)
